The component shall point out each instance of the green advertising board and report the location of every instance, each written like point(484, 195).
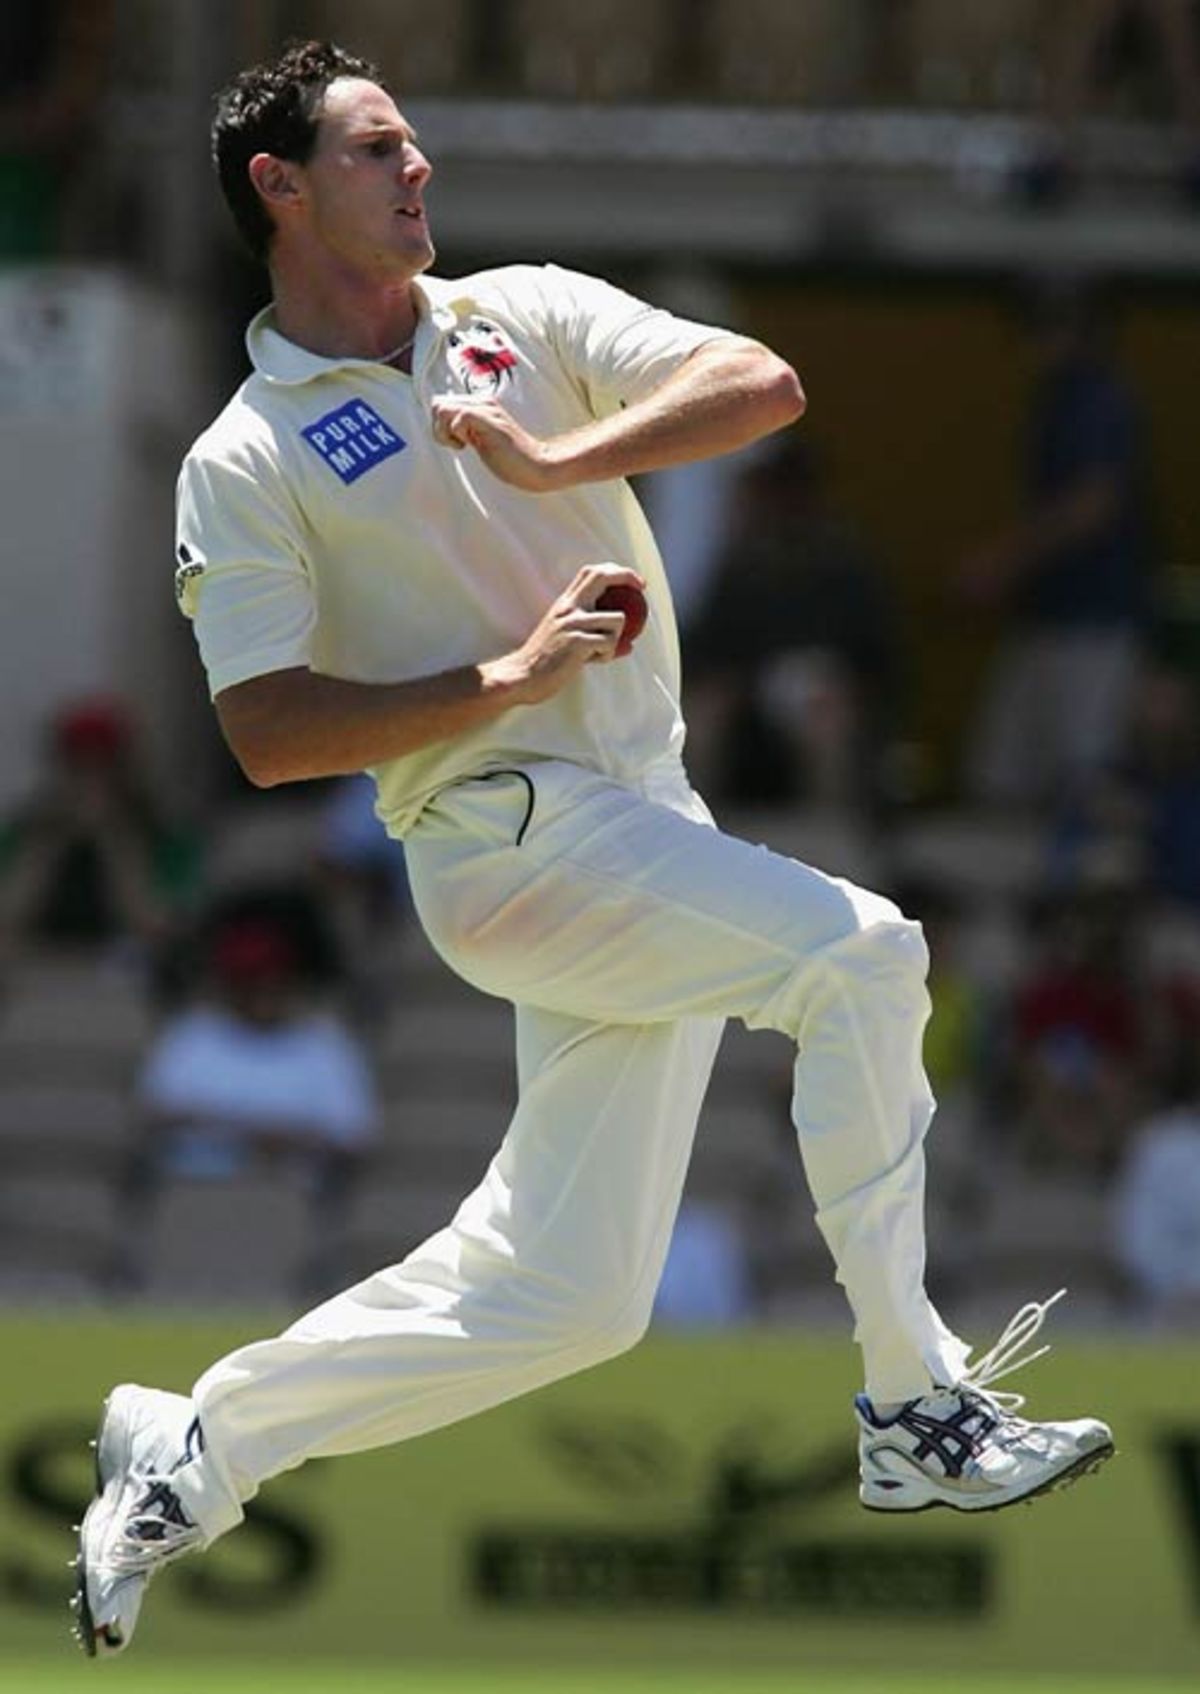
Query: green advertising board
point(692, 1502)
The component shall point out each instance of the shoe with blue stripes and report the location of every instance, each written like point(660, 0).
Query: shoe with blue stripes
point(136, 1524)
point(965, 1446)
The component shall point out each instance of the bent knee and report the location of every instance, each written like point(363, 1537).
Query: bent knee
point(629, 1327)
point(898, 944)
point(888, 960)
point(880, 930)
point(607, 1331)
point(886, 957)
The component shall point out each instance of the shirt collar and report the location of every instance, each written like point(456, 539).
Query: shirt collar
point(439, 302)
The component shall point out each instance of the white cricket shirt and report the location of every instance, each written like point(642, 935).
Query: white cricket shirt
point(319, 524)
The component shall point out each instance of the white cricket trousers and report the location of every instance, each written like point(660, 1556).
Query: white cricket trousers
point(626, 929)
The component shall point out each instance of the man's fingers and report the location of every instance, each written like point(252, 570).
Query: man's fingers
point(584, 621)
point(451, 423)
point(603, 646)
point(463, 429)
point(592, 635)
point(607, 624)
point(591, 581)
point(464, 403)
point(446, 431)
point(453, 416)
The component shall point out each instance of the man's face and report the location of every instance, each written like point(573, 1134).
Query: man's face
point(363, 186)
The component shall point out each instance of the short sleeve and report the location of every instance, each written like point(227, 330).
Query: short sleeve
point(621, 348)
point(239, 573)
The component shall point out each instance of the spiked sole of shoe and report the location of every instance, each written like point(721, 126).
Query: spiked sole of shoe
point(84, 1627)
point(1086, 1465)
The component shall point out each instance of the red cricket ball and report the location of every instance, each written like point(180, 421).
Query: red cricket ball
point(625, 598)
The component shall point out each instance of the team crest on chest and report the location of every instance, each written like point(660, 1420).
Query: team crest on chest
point(482, 357)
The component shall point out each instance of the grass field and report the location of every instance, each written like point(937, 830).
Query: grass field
point(276, 1677)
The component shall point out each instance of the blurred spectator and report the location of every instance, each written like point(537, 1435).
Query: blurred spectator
point(53, 64)
point(794, 658)
point(1148, 806)
point(363, 885)
point(91, 860)
point(1163, 782)
point(1079, 1035)
point(286, 903)
point(1089, 42)
point(1072, 576)
point(706, 1279)
point(256, 1069)
point(1174, 1033)
point(1157, 1214)
point(354, 844)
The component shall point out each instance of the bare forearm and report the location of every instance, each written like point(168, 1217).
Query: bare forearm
point(295, 724)
point(725, 396)
point(291, 725)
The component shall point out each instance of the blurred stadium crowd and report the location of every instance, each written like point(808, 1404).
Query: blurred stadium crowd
point(218, 1019)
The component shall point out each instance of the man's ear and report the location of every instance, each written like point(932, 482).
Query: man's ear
point(275, 179)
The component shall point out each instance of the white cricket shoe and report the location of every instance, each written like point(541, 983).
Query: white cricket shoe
point(136, 1523)
point(966, 1448)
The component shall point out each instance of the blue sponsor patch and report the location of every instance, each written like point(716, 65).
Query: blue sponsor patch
point(353, 439)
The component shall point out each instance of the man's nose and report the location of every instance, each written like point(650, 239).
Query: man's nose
point(417, 168)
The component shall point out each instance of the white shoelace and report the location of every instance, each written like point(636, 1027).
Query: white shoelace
point(1007, 1355)
point(134, 1553)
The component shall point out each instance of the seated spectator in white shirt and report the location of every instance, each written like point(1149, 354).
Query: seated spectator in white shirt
point(256, 1069)
point(1157, 1215)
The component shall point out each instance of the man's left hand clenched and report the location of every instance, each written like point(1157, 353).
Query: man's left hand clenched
point(509, 451)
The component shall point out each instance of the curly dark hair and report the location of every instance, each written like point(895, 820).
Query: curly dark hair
point(275, 108)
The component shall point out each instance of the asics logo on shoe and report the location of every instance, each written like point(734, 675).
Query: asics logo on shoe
point(954, 1439)
point(158, 1507)
point(193, 1444)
